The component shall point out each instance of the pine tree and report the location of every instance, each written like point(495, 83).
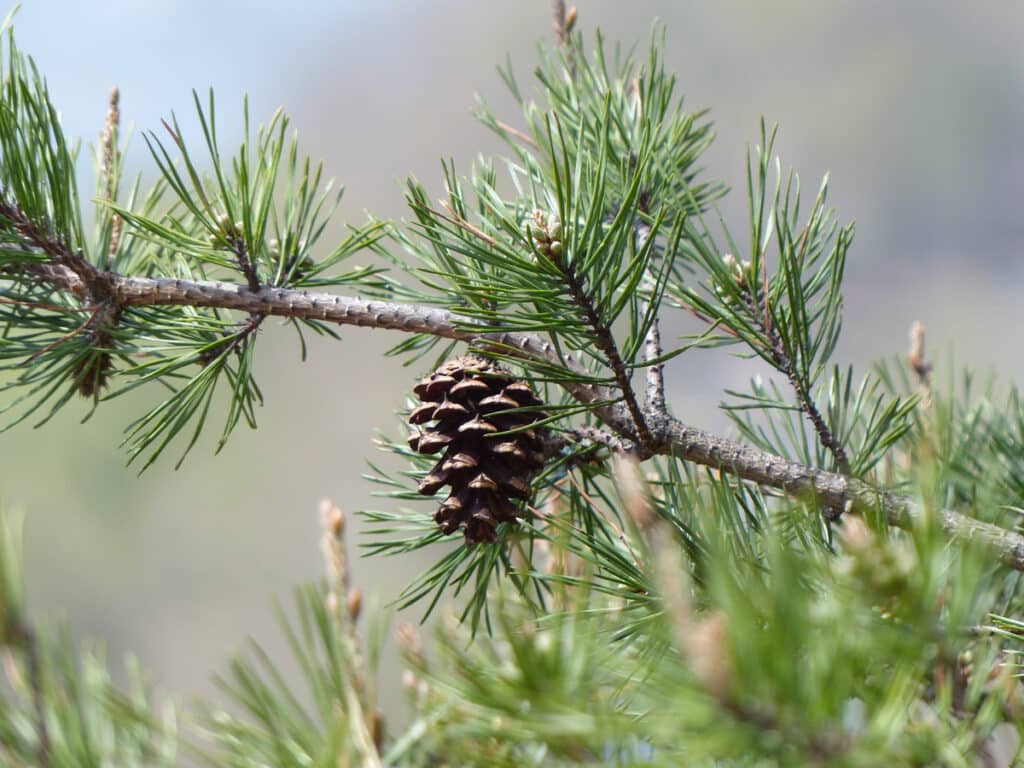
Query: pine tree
point(835, 583)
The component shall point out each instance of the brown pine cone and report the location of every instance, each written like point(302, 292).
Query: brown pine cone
point(468, 400)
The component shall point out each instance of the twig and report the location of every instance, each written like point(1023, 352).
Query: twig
point(82, 278)
point(229, 344)
point(516, 133)
point(108, 144)
point(237, 244)
point(343, 604)
point(460, 222)
point(655, 394)
point(69, 335)
point(783, 363)
point(807, 404)
point(669, 436)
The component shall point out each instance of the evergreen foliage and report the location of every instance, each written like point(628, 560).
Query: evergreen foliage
point(840, 585)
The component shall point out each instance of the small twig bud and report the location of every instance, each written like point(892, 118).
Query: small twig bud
point(545, 233)
point(570, 19)
point(921, 367)
point(332, 516)
point(354, 603)
point(855, 534)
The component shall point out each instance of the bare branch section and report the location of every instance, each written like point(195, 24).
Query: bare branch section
point(654, 394)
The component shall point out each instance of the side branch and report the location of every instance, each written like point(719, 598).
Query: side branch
point(784, 364)
point(668, 435)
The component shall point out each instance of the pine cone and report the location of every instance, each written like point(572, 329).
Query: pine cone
point(467, 398)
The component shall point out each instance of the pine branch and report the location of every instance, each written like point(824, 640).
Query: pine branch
point(654, 430)
point(667, 435)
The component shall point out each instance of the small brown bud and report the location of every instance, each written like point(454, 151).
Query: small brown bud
point(921, 367)
point(332, 516)
point(354, 603)
point(570, 19)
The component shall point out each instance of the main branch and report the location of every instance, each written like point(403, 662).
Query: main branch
point(669, 436)
point(109, 292)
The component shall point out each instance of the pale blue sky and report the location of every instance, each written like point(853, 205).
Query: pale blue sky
point(157, 52)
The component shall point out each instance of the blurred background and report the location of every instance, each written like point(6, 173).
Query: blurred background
point(915, 109)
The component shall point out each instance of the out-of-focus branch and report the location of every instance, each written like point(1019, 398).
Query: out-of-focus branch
point(20, 635)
